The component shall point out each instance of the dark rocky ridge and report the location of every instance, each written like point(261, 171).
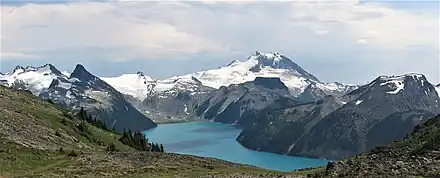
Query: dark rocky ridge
point(239, 104)
point(83, 89)
point(312, 93)
point(331, 129)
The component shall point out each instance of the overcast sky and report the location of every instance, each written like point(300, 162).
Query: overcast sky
point(346, 41)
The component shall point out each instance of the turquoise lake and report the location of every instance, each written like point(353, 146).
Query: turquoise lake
point(209, 139)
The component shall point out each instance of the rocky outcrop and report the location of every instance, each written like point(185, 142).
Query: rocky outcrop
point(418, 154)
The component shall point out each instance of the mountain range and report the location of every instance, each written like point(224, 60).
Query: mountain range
point(338, 127)
point(80, 89)
point(280, 106)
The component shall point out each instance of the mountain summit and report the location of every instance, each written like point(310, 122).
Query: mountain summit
point(269, 65)
point(278, 61)
point(81, 73)
point(257, 65)
point(34, 79)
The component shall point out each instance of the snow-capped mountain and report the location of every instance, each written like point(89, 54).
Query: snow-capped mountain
point(257, 65)
point(374, 114)
point(266, 65)
point(173, 99)
point(163, 99)
point(79, 89)
point(137, 85)
point(411, 83)
point(34, 79)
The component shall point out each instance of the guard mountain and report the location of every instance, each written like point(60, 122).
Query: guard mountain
point(280, 106)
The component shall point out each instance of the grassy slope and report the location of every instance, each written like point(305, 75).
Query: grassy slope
point(416, 155)
point(32, 131)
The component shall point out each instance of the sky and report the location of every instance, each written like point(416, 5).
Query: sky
point(346, 41)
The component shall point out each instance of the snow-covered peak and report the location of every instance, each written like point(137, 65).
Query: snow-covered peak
point(415, 76)
point(48, 68)
point(336, 87)
point(257, 65)
point(35, 79)
point(268, 65)
point(274, 60)
point(273, 56)
point(397, 83)
point(141, 86)
point(137, 85)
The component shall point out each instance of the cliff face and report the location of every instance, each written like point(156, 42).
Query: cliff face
point(339, 127)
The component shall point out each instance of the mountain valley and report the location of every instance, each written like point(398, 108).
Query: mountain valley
point(40, 139)
point(280, 106)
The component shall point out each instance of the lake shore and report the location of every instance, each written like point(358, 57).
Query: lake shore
point(217, 140)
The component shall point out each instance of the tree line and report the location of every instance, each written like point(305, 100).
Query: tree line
point(136, 140)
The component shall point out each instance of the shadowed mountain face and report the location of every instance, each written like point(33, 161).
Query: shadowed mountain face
point(338, 127)
point(238, 104)
point(80, 89)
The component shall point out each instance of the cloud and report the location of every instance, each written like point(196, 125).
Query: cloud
point(362, 41)
point(170, 28)
point(315, 32)
point(10, 56)
point(97, 25)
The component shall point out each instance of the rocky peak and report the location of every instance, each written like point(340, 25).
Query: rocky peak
point(44, 68)
point(82, 74)
point(140, 73)
point(270, 83)
point(233, 62)
point(18, 69)
point(396, 84)
point(276, 60)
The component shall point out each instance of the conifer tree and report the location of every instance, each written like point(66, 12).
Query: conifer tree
point(161, 148)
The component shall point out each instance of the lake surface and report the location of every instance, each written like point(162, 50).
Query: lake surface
point(209, 139)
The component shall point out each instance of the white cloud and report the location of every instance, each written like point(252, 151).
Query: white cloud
point(93, 24)
point(362, 41)
point(169, 28)
point(324, 30)
point(10, 56)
